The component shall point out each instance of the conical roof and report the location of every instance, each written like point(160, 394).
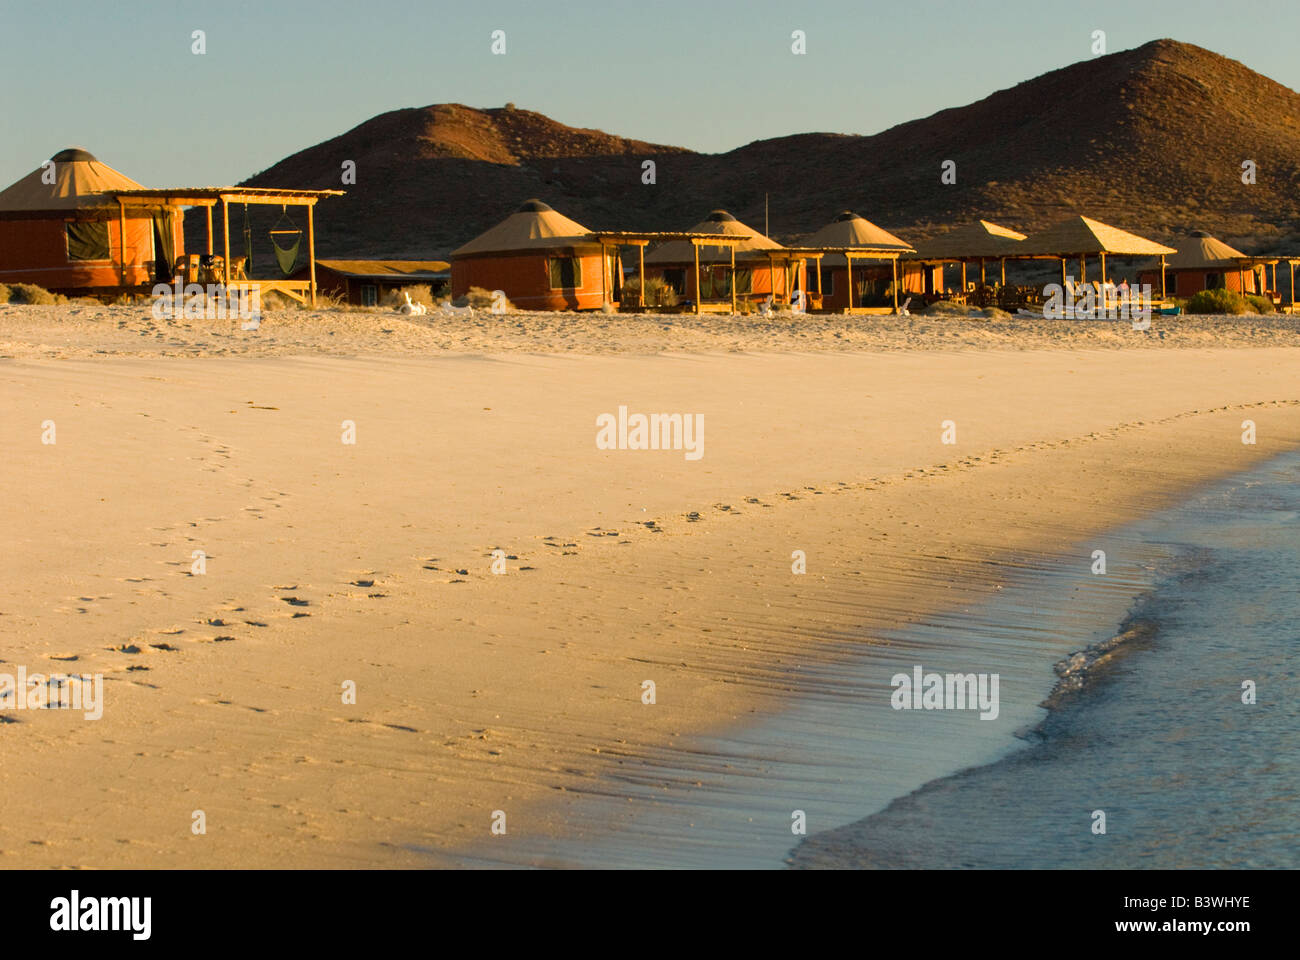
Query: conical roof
point(1200, 251)
point(980, 239)
point(533, 226)
point(79, 182)
point(748, 240)
point(850, 230)
point(1082, 236)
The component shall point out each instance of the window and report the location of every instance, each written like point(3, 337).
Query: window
point(828, 281)
point(676, 278)
point(1214, 281)
point(566, 273)
point(88, 240)
point(369, 295)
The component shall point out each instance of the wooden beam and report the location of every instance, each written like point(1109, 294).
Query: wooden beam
point(848, 261)
point(640, 273)
point(1162, 276)
point(121, 241)
point(1103, 269)
point(1083, 269)
point(225, 222)
point(1004, 271)
point(311, 254)
point(963, 277)
point(208, 211)
point(982, 280)
point(893, 266)
point(1063, 273)
point(732, 248)
point(604, 275)
point(696, 248)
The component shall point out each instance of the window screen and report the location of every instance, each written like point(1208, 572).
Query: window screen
point(566, 273)
point(88, 240)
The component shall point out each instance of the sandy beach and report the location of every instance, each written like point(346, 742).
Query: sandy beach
point(330, 563)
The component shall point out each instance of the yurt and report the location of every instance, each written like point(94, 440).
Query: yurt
point(1204, 263)
point(871, 280)
point(61, 231)
point(541, 259)
point(756, 274)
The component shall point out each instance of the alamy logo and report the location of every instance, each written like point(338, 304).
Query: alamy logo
point(656, 431)
point(214, 301)
point(58, 691)
point(73, 913)
point(952, 691)
point(1083, 302)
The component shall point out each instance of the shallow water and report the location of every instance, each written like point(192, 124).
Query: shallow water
point(1159, 739)
point(839, 752)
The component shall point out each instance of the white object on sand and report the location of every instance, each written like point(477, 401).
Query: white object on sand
point(410, 309)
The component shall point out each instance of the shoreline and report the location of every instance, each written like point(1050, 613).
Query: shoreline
point(476, 692)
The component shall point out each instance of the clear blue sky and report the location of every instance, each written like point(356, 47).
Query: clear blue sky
point(279, 75)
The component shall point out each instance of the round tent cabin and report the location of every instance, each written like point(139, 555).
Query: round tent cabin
point(1204, 263)
point(756, 273)
point(59, 229)
point(871, 281)
point(541, 259)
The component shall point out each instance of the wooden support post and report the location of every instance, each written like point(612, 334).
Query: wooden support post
point(121, 239)
point(819, 278)
point(1103, 269)
point(640, 275)
point(697, 277)
point(1273, 287)
point(1083, 269)
point(208, 210)
point(893, 263)
point(1004, 271)
point(982, 281)
point(1162, 276)
point(963, 277)
point(1241, 279)
point(732, 277)
point(604, 275)
point(225, 221)
point(311, 252)
point(848, 262)
point(1291, 263)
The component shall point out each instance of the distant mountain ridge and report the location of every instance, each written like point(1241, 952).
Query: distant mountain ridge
point(1151, 140)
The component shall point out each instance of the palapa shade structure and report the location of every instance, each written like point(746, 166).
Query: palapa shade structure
point(977, 242)
point(58, 230)
point(1205, 263)
point(854, 237)
point(721, 270)
point(1083, 237)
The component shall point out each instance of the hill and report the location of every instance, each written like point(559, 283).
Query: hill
point(1150, 139)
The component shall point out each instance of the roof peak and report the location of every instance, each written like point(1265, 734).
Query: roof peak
point(74, 155)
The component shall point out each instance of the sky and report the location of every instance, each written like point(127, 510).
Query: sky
point(277, 76)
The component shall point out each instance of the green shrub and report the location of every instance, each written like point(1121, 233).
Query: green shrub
point(4, 293)
point(1218, 301)
point(1261, 304)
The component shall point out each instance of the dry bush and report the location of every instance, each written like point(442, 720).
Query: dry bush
point(419, 293)
point(480, 299)
point(657, 293)
point(4, 293)
point(1219, 301)
point(1261, 304)
point(32, 294)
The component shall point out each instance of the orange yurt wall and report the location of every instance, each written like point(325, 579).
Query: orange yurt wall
point(835, 292)
point(36, 251)
point(526, 279)
point(1187, 283)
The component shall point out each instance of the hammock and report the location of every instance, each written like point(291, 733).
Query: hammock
point(286, 256)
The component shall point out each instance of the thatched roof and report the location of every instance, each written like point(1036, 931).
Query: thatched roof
point(971, 241)
point(850, 230)
point(533, 227)
point(387, 269)
point(79, 184)
point(748, 243)
point(1081, 236)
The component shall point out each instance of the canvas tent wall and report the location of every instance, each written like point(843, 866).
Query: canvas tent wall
point(756, 276)
point(59, 229)
point(368, 283)
point(1205, 263)
point(540, 258)
point(872, 278)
